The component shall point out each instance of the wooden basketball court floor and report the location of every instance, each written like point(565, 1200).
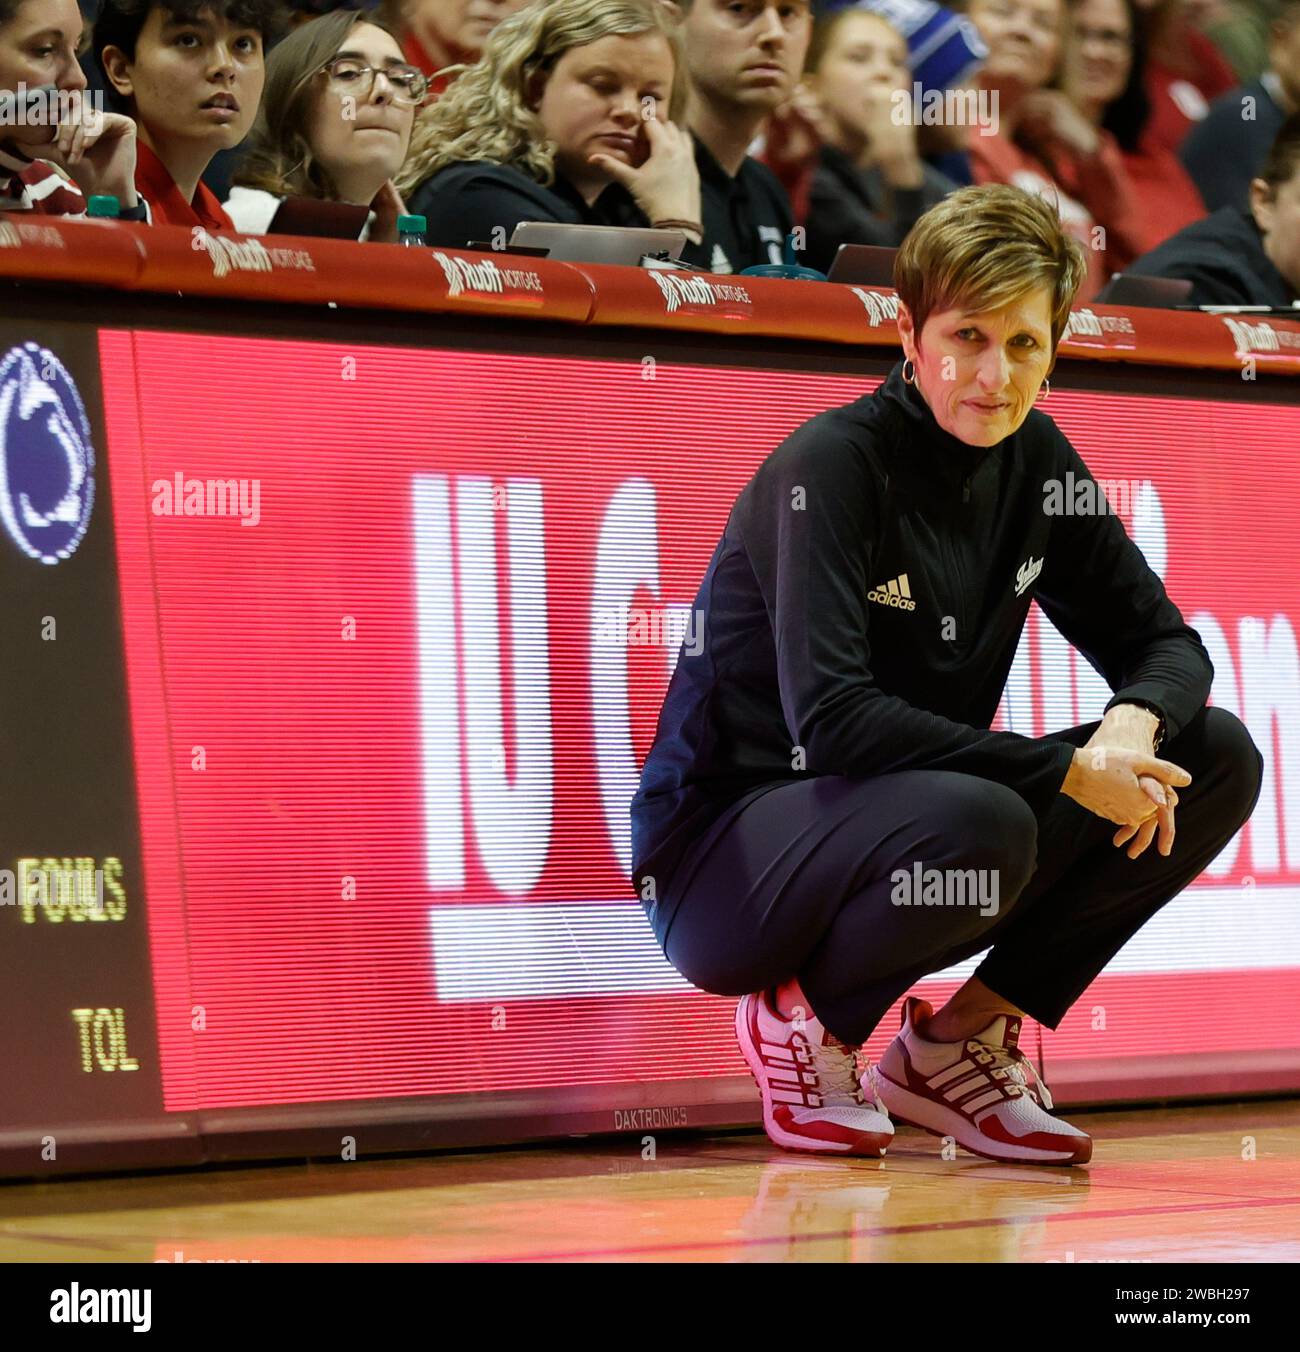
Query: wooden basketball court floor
point(1213, 1183)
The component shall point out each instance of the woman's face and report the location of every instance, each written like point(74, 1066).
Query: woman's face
point(1023, 37)
point(866, 57)
point(193, 81)
point(38, 46)
point(460, 25)
point(593, 100)
point(1103, 49)
point(981, 372)
point(362, 136)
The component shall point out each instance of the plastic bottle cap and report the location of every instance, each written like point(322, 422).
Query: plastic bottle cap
point(103, 205)
point(411, 223)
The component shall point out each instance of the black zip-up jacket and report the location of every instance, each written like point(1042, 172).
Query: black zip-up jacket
point(1223, 257)
point(813, 662)
point(848, 205)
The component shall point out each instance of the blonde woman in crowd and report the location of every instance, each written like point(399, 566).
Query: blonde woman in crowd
point(570, 115)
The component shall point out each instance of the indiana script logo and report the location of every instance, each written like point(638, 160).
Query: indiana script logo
point(1026, 573)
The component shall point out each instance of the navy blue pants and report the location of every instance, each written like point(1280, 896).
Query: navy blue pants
point(802, 881)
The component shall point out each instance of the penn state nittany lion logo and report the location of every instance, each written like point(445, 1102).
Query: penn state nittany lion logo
point(47, 462)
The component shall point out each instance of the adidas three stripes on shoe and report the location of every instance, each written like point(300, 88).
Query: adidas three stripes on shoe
point(982, 1091)
point(812, 1094)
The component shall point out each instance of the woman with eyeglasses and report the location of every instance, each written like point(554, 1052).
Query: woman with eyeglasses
point(1105, 76)
point(335, 123)
point(1039, 141)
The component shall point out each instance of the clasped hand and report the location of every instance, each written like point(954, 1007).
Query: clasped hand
point(1116, 775)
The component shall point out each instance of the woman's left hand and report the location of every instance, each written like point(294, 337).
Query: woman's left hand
point(794, 133)
point(1162, 819)
point(387, 206)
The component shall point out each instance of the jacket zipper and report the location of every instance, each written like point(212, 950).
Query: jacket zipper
point(963, 638)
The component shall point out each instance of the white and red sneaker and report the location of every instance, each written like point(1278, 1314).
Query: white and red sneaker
point(812, 1095)
point(978, 1091)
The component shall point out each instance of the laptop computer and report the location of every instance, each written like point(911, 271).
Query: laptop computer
point(1145, 293)
point(597, 243)
point(863, 265)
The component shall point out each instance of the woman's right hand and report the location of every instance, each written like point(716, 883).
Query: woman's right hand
point(1104, 779)
point(95, 149)
point(891, 140)
point(666, 185)
point(1047, 115)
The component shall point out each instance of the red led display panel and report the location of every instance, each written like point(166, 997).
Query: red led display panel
point(398, 623)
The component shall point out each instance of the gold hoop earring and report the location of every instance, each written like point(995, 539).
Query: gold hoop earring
point(909, 380)
point(1044, 391)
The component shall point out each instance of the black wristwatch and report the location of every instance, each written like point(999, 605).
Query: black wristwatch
point(135, 213)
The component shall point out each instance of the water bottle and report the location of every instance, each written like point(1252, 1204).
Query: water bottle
point(410, 231)
point(104, 206)
point(789, 268)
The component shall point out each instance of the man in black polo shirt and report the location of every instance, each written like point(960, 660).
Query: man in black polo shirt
point(744, 58)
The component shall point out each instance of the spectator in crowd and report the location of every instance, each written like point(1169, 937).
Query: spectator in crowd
point(1185, 72)
point(305, 11)
point(745, 58)
point(1105, 76)
point(944, 52)
point(436, 34)
point(52, 167)
point(221, 169)
point(190, 73)
point(1240, 30)
point(572, 114)
point(1043, 143)
point(1239, 256)
point(335, 124)
point(870, 184)
point(1223, 154)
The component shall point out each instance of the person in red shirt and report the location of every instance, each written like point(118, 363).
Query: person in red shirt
point(191, 74)
point(50, 164)
point(1185, 71)
point(436, 34)
point(1105, 76)
point(1037, 140)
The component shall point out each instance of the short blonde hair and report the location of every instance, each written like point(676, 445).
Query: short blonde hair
point(983, 247)
point(485, 115)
